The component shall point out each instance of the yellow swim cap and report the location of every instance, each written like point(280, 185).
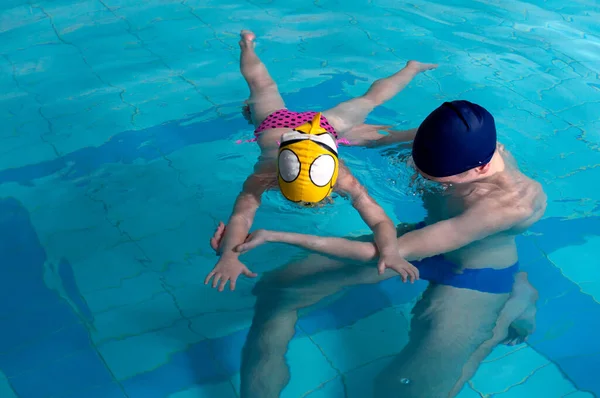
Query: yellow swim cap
point(307, 164)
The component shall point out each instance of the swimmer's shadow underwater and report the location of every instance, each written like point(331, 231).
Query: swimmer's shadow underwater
point(452, 329)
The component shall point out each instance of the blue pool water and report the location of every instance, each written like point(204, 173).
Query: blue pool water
point(118, 156)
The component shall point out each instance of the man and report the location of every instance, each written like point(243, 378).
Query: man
point(465, 248)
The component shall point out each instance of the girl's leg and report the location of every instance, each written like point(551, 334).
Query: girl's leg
point(264, 95)
point(353, 113)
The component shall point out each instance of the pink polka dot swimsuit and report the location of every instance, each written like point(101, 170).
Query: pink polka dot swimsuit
point(283, 118)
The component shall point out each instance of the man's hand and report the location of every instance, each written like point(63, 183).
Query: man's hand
point(392, 259)
point(255, 239)
point(363, 135)
point(228, 269)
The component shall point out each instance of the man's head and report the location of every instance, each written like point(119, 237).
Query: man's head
point(455, 143)
point(307, 163)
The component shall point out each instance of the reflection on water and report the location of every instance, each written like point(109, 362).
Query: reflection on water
point(407, 175)
point(452, 329)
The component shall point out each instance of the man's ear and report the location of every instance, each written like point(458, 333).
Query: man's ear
point(483, 169)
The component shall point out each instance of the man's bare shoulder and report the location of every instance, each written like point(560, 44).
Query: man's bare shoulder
point(511, 196)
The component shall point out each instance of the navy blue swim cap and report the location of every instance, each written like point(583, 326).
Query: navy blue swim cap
point(456, 137)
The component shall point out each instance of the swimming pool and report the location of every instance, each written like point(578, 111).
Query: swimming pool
point(120, 120)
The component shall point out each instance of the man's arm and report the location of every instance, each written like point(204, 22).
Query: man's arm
point(337, 247)
point(479, 222)
point(393, 137)
point(439, 238)
point(368, 135)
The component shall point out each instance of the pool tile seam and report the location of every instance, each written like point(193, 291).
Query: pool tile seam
point(362, 365)
point(473, 388)
point(557, 365)
point(578, 170)
point(524, 380)
point(264, 9)
point(39, 103)
point(135, 109)
point(355, 24)
point(160, 58)
point(503, 356)
point(12, 388)
point(130, 304)
point(192, 11)
point(167, 288)
point(197, 193)
point(67, 356)
point(189, 324)
point(118, 286)
point(559, 269)
point(555, 114)
point(330, 362)
point(323, 384)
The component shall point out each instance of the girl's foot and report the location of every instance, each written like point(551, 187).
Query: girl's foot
point(247, 40)
point(419, 67)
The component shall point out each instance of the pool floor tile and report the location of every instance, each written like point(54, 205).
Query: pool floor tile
point(132, 290)
point(177, 244)
point(222, 324)
point(219, 390)
point(497, 376)
point(142, 353)
point(333, 388)
point(359, 381)
point(186, 369)
point(62, 343)
point(537, 385)
point(156, 313)
point(107, 270)
point(6, 390)
point(109, 390)
point(578, 263)
point(580, 394)
point(308, 366)
point(69, 375)
point(468, 392)
point(197, 299)
point(366, 340)
point(578, 367)
point(51, 315)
